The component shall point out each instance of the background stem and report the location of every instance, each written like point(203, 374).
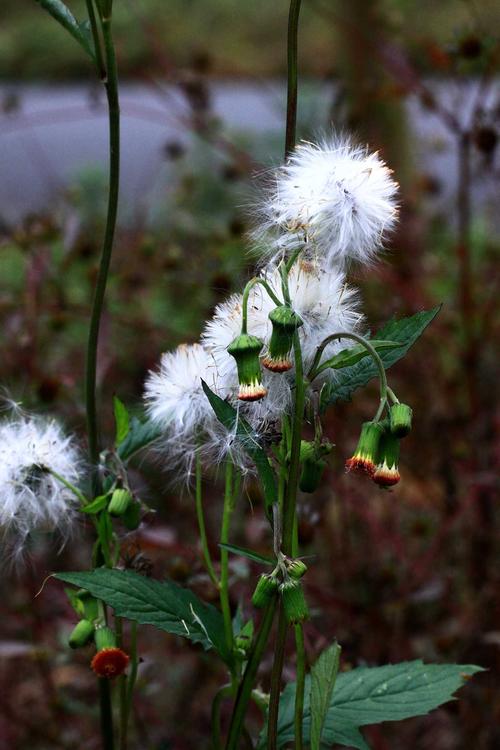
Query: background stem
point(291, 104)
point(201, 523)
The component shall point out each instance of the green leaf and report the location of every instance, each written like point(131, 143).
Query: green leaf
point(140, 434)
point(96, 505)
point(163, 604)
point(234, 422)
point(405, 331)
point(323, 676)
point(371, 695)
point(122, 420)
point(349, 357)
point(243, 552)
point(79, 31)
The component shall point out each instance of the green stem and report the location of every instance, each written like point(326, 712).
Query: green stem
point(99, 60)
point(300, 686)
point(292, 50)
point(246, 293)
point(245, 688)
point(222, 693)
point(122, 690)
point(134, 661)
point(274, 699)
point(111, 85)
point(201, 523)
point(76, 492)
point(106, 714)
point(224, 554)
point(317, 368)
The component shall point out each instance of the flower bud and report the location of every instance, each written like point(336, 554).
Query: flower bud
point(365, 456)
point(294, 602)
point(285, 322)
point(400, 416)
point(104, 638)
point(266, 588)
point(132, 516)
point(89, 604)
point(313, 465)
point(387, 472)
point(120, 501)
point(246, 349)
point(296, 568)
point(110, 662)
point(81, 634)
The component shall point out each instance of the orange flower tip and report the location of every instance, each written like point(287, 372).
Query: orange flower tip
point(359, 465)
point(277, 365)
point(251, 392)
point(386, 477)
point(110, 662)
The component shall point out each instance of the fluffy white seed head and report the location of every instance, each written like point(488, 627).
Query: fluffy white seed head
point(31, 498)
point(336, 197)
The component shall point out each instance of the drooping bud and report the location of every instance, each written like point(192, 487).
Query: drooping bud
point(365, 457)
point(313, 464)
point(296, 568)
point(120, 501)
point(285, 322)
point(110, 662)
point(89, 604)
point(104, 638)
point(387, 472)
point(294, 602)
point(132, 516)
point(82, 633)
point(243, 641)
point(266, 588)
point(400, 416)
point(246, 349)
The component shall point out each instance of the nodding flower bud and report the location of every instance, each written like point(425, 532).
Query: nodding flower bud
point(104, 638)
point(296, 568)
point(89, 605)
point(387, 472)
point(132, 516)
point(294, 602)
point(266, 588)
point(400, 416)
point(313, 464)
point(285, 322)
point(119, 503)
point(82, 633)
point(246, 349)
point(110, 661)
point(365, 458)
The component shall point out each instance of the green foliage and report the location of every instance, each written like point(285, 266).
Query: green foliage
point(164, 604)
point(404, 331)
point(79, 31)
point(247, 553)
point(234, 422)
point(96, 505)
point(323, 677)
point(122, 420)
point(349, 357)
point(371, 695)
point(139, 435)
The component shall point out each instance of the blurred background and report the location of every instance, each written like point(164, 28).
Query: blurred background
point(397, 575)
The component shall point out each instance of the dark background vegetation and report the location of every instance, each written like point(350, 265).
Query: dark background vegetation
point(397, 575)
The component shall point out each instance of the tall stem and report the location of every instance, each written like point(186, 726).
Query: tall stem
point(201, 523)
point(299, 685)
point(291, 104)
point(111, 85)
point(224, 555)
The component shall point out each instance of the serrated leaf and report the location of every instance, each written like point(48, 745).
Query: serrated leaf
point(405, 331)
point(163, 604)
point(349, 357)
point(63, 15)
point(371, 695)
point(243, 552)
point(96, 505)
point(235, 423)
point(323, 676)
point(140, 435)
point(122, 420)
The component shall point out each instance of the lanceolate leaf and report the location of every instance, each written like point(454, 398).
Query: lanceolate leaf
point(248, 553)
point(405, 331)
point(323, 676)
point(349, 357)
point(235, 423)
point(164, 604)
point(122, 420)
point(79, 31)
point(372, 695)
point(139, 435)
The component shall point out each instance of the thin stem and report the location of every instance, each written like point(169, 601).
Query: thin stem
point(274, 699)
point(133, 668)
point(224, 554)
point(99, 60)
point(111, 85)
point(201, 523)
point(317, 368)
point(106, 714)
point(300, 686)
point(292, 50)
point(76, 492)
point(246, 685)
point(122, 690)
point(246, 293)
point(222, 693)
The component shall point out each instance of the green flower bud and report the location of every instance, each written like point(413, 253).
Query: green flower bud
point(294, 602)
point(401, 416)
point(266, 588)
point(132, 517)
point(296, 568)
point(387, 472)
point(285, 322)
point(81, 634)
point(365, 458)
point(89, 604)
point(313, 465)
point(104, 638)
point(246, 349)
point(120, 501)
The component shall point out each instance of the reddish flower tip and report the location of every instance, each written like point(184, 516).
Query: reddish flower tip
point(110, 662)
point(385, 476)
point(277, 365)
point(360, 465)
